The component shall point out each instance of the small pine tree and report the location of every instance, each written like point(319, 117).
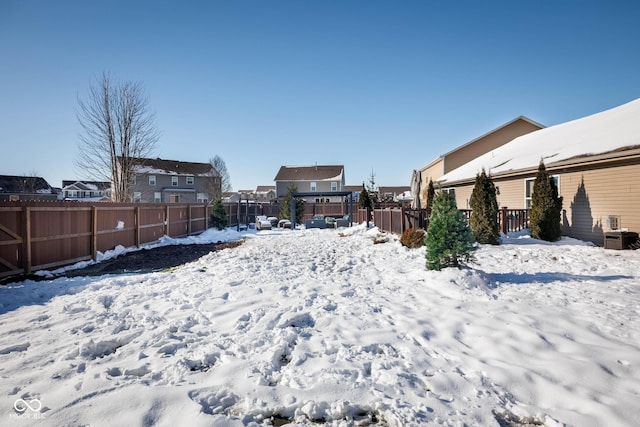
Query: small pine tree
point(484, 210)
point(365, 202)
point(285, 207)
point(431, 192)
point(449, 239)
point(218, 215)
point(546, 207)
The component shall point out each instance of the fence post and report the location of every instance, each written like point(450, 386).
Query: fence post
point(136, 219)
point(189, 216)
point(166, 220)
point(505, 225)
point(26, 243)
point(94, 233)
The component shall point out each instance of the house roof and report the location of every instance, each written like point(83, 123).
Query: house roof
point(86, 185)
point(265, 188)
point(173, 167)
point(394, 190)
point(22, 184)
point(353, 188)
point(310, 173)
point(610, 131)
point(449, 153)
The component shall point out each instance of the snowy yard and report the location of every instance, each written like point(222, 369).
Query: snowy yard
point(326, 327)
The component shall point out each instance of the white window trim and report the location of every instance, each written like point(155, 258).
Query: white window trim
point(190, 180)
point(313, 187)
point(174, 181)
point(152, 178)
point(526, 180)
point(157, 197)
point(334, 186)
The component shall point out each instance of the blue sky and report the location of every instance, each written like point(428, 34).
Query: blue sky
point(378, 86)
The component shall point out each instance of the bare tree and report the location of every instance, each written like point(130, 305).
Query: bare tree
point(117, 128)
point(225, 179)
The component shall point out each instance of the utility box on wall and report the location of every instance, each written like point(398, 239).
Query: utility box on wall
point(619, 239)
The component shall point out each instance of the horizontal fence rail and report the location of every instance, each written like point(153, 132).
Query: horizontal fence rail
point(36, 235)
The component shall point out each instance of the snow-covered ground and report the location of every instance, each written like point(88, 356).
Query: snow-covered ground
point(325, 326)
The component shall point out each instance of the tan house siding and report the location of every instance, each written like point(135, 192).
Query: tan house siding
point(590, 196)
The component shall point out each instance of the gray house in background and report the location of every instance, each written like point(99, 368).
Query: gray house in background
point(311, 179)
point(172, 181)
point(86, 190)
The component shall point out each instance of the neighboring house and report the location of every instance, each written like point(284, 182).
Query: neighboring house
point(311, 179)
point(355, 191)
point(265, 194)
point(230, 197)
point(595, 161)
point(246, 194)
point(26, 188)
point(172, 181)
point(395, 194)
point(471, 150)
point(86, 190)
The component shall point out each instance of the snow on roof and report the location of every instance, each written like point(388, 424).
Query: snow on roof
point(599, 133)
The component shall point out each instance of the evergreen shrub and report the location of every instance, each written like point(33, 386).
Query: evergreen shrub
point(546, 207)
point(484, 211)
point(449, 239)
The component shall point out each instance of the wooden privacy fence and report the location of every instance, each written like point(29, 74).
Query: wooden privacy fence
point(396, 220)
point(41, 235)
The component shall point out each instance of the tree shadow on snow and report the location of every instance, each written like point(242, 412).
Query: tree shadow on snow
point(547, 277)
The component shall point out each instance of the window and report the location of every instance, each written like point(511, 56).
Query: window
point(313, 186)
point(157, 197)
point(137, 196)
point(528, 189)
point(334, 186)
point(174, 181)
point(451, 191)
point(133, 180)
point(189, 180)
point(202, 198)
point(152, 180)
point(174, 198)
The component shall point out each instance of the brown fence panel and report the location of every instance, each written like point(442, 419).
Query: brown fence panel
point(115, 226)
point(178, 221)
point(11, 241)
point(151, 223)
point(59, 234)
point(198, 218)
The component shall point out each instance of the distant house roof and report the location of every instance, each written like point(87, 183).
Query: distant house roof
point(86, 185)
point(24, 184)
point(310, 173)
point(353, 188)
point(265, 188)
point(612, 131)
point(394, 190)
point(173, 167)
